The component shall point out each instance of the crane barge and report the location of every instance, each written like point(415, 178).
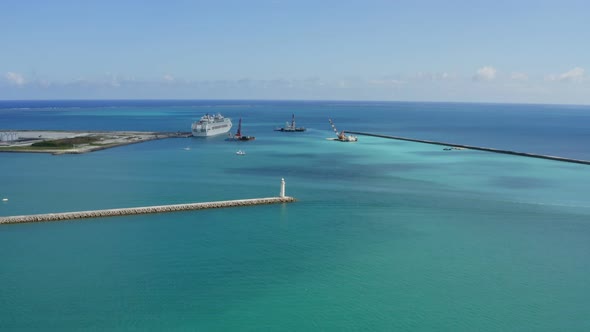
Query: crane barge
point(341, 136)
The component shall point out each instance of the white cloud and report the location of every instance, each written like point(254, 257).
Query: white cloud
point(574, 75)
point(387, 82)
point(115, 82)
point(516, 76)
point(15, 78)
point(427, 76)
point(444, 76)
point(486, 73)
point(168, 78)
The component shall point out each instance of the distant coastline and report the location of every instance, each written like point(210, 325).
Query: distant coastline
point(183, 102)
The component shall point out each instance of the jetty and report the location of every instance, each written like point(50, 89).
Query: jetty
point(282, 198)
point(471, 147)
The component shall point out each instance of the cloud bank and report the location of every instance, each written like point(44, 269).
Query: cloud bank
point(574, 75)
point(486, 73)
point(516, 76)
point(485, 84)
point(15, 78)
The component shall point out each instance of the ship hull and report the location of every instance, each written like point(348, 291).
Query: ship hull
point(290, 129)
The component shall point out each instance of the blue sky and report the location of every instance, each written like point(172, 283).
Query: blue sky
point(475, 51)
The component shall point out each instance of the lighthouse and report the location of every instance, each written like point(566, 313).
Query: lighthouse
point(282, 194)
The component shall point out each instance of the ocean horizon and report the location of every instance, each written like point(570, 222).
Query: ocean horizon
point(385, 235)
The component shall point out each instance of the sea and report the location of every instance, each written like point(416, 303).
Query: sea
point(385, 235)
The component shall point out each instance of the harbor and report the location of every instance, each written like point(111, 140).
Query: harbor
point(471, 147)
point(375, 217)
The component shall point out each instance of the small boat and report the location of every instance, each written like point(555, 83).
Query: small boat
point(187, 148)
point(241, 153)
point(290, 127)
point(239, 137)
point(5, 200)
point(341, 136)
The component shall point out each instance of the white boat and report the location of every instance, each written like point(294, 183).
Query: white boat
point(211, 125)
point(240, 153)
point(5, 200)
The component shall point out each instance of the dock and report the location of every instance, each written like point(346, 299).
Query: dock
point(471, 147)
point(143, 210)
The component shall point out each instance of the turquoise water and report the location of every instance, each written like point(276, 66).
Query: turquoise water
point(386, 235)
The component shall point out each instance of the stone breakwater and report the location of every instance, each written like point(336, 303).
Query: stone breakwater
point(143, 210)
point(471, 147)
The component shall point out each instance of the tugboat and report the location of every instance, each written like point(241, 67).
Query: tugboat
point(341, 136)
point(239, 137)
point(290, 127)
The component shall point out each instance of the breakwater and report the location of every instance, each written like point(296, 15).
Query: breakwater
point(143, 210)
point(471, 147)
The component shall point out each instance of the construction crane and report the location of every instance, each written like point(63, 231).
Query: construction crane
point(342, 137)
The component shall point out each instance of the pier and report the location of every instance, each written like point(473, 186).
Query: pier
point(282, 198)
point(470, 147)
point(143, 210)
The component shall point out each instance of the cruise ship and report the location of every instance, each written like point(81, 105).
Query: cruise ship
point(211, 125)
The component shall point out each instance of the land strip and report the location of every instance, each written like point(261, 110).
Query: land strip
point(75, 142)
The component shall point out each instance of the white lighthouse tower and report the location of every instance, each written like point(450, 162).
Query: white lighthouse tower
point(282, 194)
